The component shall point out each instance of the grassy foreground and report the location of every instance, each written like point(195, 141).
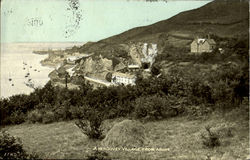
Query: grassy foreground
point(179, 135)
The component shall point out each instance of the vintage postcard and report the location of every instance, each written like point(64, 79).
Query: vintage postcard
point(124, 79)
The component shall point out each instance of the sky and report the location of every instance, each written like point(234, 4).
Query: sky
point(82, 20)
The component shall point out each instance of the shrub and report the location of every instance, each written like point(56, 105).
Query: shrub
point(35, 116)
point(98, 155)
point(48, 117)
point(17, 117)
point(77, 112)
point(12, 148)
point(151, 107)
point(91, 127)
point(210, 139)
point(62, 111)
point(41, 116)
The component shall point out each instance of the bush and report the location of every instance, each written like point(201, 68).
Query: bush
point(17, 117)
point(78, 112)
point(91, 127)
point(12, 148)
point(151, 107)
point(210, 139)
point(62, 111)
point(48, 117)
point(198, 112)
point(41, 116)
point(98, 155)
point(35, 116)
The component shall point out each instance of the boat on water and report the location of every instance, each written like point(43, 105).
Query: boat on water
point(30, 84)
point(27, 74)
point(10, 79)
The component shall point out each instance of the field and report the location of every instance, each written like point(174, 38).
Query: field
point(179, 136)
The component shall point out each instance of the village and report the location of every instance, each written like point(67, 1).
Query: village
point(102, 72)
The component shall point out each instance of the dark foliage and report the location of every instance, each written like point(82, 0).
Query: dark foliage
point(12, 148)
point(224, 87)
point(151, 107)
point(210, 139)
point(91, 127)
point(98, 155)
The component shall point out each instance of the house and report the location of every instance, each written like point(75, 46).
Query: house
point(133, 67)
point(200, 45)
point(123, 78)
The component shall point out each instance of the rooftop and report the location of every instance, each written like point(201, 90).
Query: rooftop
point(123, 75)
point(202, 40)
point(133, 66)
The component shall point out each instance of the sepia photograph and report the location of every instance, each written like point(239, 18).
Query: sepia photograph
point(124, 79)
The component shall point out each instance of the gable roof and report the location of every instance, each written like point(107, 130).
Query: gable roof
point(203, 40)
point(211, 41)
point(133, 66)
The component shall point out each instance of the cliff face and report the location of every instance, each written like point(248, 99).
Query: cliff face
point(136, 54)
point(96, 68)
point(143, 53)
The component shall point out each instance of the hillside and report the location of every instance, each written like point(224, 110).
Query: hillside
point(222, 18)
point(182, 136)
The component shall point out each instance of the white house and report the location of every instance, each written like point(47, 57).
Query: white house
point(122, 78)
point(133, 67)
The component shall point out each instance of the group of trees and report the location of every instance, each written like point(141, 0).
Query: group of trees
point(227, 85)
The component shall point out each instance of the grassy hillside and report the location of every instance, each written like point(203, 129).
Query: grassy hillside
point(222, 18)
point(181, 135)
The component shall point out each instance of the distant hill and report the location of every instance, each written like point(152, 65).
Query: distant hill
point(224, 18)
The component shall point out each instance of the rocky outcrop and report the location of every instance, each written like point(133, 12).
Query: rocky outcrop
point(97, 68)
point(136, 54)
point(120, 67)
point(143, 53)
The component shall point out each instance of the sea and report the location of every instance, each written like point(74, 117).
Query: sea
point(21, 70)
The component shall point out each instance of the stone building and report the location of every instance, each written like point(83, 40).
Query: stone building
point(200, 45)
